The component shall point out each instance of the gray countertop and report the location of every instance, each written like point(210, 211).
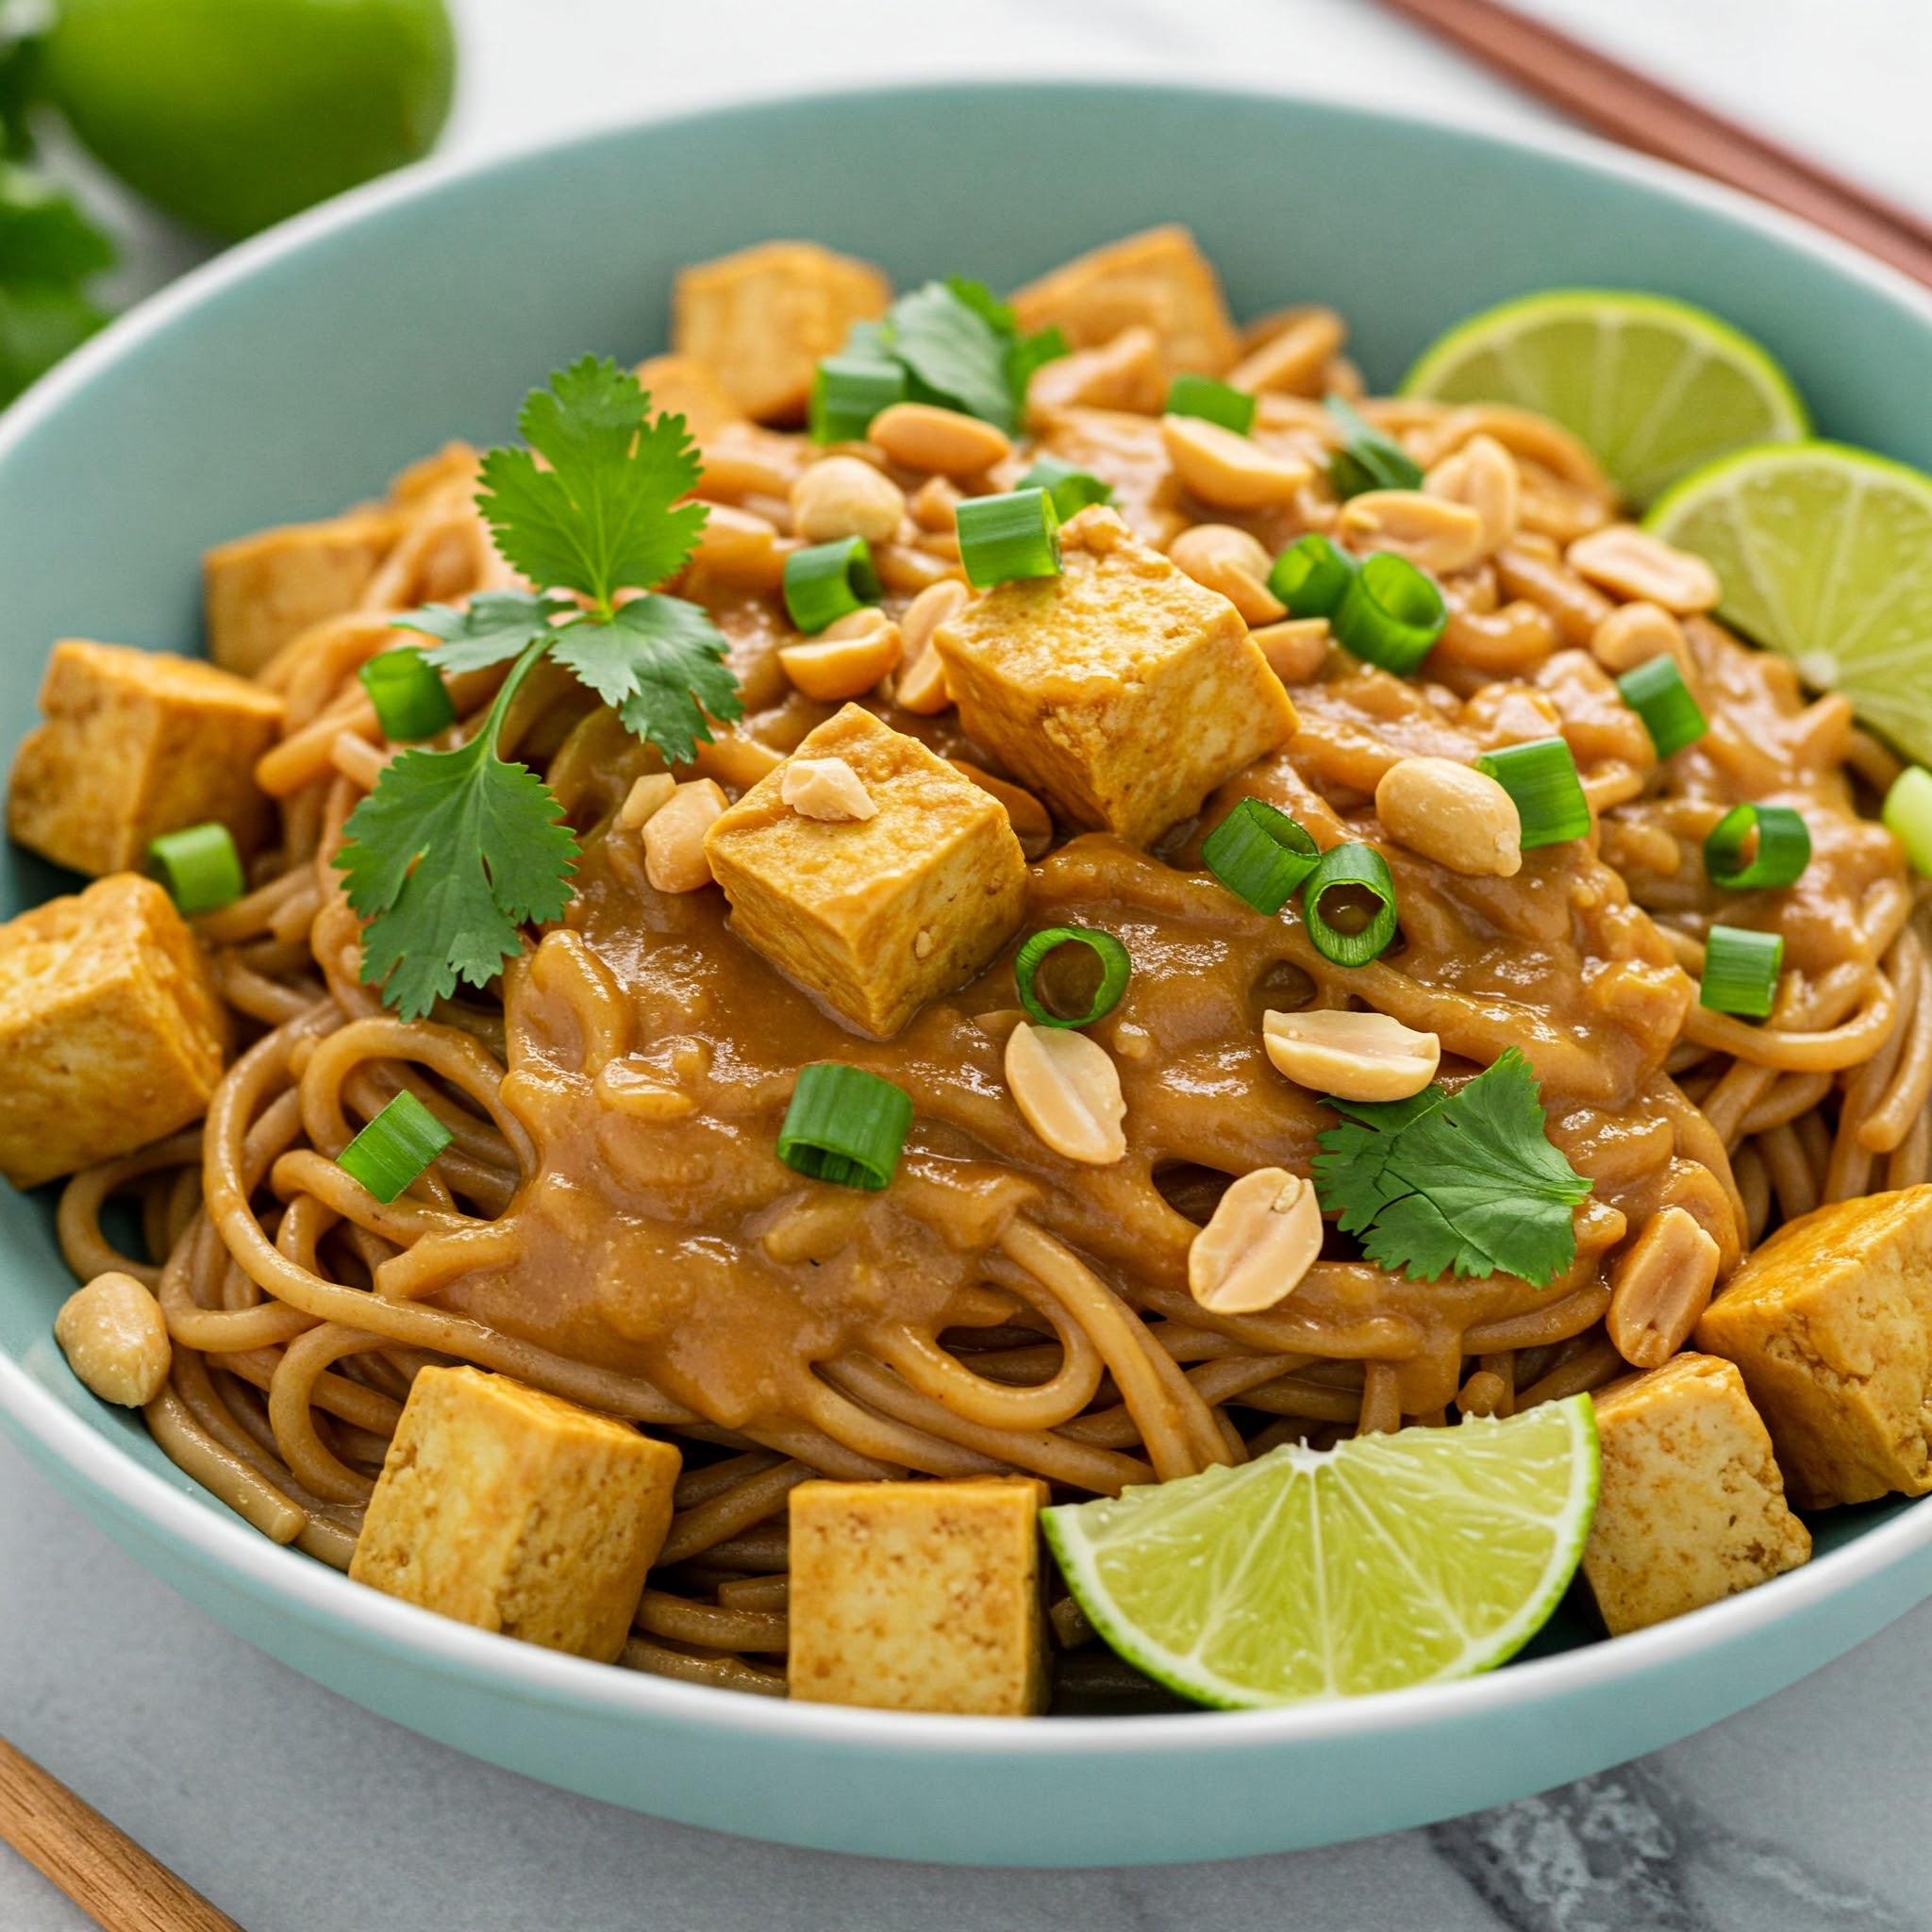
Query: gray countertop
point(299, 1812)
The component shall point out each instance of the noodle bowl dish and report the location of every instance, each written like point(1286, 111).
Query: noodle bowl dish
point(993, 1019)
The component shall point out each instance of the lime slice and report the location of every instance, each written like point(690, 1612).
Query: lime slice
point(1386, 1561)
point(1824, 554)
point(1655, 387)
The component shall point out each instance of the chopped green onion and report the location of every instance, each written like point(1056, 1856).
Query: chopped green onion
point(1655, 690)
point(1908, 815)
point(1367, 459)
point(1004, 538)
point(1390, 614)
point(200, 868)
point(1740, 969)
point(412, 700)
point(1783, 848)
point(1115, 968)
point(827, 582)
point(846, 1126)
point(1541, 777)
point(1072, 487)
point(1259, 853)
point(1364, 869)
point(1213, 402)
point(847, 392)
point(1311, 576)
point(395, 1148)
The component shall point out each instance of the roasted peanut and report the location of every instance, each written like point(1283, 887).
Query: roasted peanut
point(1658, 1287)
point(844, 496)
point(1633, 634)
point(1264, 1236)
point(924, 438)
point(1430, 531)
point(1230, 471)
point(845, 659)
point(1293, 359)
point(646, 796)
point(1454, 814)
point(1296, 650)
point(1123, 373)
point(825, 789)
point(1353, 1055)
point(675, 858)
point(740, 549)
point(1031, 822)
point(1482, 473)
point(935, 503)
point(922, 685)
point(115, 1338)
point(1220, 557)
point(1632, 563)
point(1068, 1090)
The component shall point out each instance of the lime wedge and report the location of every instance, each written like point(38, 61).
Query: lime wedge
point(1824, 554)
point(1655, 387)
point(1386, 1561)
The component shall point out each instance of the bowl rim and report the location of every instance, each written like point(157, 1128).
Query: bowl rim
point(279, 1576)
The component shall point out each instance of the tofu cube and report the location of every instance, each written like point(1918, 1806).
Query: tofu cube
point(878, 915)
point(1692, 1507)
point(265, 589)
point(683, 386)
point(763, 318)
point(1830, 1321)
point(111, 1030)
point(919, 1596)
point(1120, 689)
point(510, 1509)
point(1159, 277)
point(137, 743)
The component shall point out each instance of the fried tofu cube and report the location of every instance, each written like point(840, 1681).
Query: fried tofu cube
point(1693, 1506)
point(919, 1596)
point(1159, 277)
point(265, 589)
point(111, 1030)
point(874, 915)
point(763, 318)
point(1831, 1323)
point(1120, 689)
point(683, 386)
point(137, 743)
point(518, 1512)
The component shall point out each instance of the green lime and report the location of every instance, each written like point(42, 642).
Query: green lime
point(230, 114)
point(1655, 387)
point(1386, 1561)
point(1823, 553)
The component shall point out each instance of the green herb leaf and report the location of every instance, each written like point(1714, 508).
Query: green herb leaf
point(1368, 460)
point(19, 88)
point(43, 235)
point(660, 661)
point(39, 325)
point(1463, 1183)
point(962, 348)
point(496, 625)
point(599, 520)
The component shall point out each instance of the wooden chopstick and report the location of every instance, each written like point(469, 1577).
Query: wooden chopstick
point(97, 1865)
point(1642, 113)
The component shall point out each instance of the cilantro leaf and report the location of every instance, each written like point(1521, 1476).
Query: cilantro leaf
point(660, 661)
point(599, 520)
point(962, 347)
point(1463, 1183)
point(447, 858)
point(497, 625)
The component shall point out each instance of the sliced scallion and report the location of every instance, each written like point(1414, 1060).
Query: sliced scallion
point(1740, 969)
point(200, 868)
point(1259, 853)
point(1311, 576)
point(1908, 815)
point(1367, 459)
point(1009, 537)
point(1115, 970)
point(395, 1148)
point(830, 581)
point(1390, 614)
point(1364, 870)
point(847, 391)
point(412, 700)
point(1072, 487)
point(1213, 402)
point(1783, 848)
point(1655, 690)
point(1541, 777)
point(844, 1125)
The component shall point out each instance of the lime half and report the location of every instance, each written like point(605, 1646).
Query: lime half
point(1386, 1561)
point(1655, 387)
point(1824, 554)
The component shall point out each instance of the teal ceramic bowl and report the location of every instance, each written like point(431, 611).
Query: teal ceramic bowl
point(299, 372)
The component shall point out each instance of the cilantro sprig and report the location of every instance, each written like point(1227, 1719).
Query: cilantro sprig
point(453, 851)
point(1463, 1183)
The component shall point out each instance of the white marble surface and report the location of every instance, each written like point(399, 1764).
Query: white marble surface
point(299, 1812)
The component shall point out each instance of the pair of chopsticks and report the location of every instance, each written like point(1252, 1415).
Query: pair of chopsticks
point(1614, 100)
point(99, 1867)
